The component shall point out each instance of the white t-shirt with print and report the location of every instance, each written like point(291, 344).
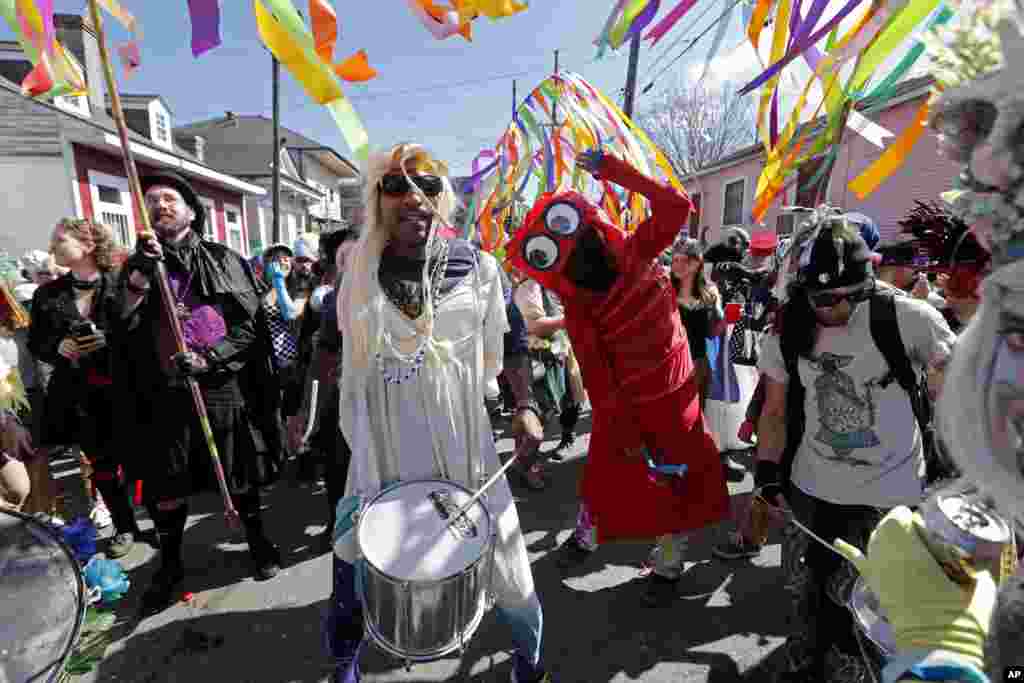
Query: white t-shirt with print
point(861, 444)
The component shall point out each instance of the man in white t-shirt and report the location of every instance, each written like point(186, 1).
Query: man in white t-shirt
point(860, 452)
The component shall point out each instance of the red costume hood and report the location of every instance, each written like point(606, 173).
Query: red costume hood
point(541, 252)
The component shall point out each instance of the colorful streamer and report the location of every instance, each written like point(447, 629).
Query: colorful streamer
point(892, 158)
point(670, 20)
point(285, 34)
point(205, 18)
point(444, 22)
point(533, 156)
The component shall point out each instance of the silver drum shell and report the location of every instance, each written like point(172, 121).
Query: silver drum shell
point(421, 621)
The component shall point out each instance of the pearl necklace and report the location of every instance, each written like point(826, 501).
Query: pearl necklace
point(409, 364)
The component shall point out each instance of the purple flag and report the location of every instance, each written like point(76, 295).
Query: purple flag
point(797, 49)
point(205, 17)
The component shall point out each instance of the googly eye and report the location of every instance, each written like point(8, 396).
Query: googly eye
point(562, 218)
point(540, 252)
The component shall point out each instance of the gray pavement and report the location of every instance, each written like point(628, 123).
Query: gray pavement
point(725, 625)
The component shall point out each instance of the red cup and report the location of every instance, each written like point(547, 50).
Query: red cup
point(733, 313)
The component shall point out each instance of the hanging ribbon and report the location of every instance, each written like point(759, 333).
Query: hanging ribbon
point(283, 32)
point(441, 22)
point(602, 40)
point(635, 10)
point(670, 20)
point(205, 18)
point(797, 49)
point(892, 158)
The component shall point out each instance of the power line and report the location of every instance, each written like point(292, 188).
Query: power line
point(689, 47)
point(445, 86)
point(682, 35)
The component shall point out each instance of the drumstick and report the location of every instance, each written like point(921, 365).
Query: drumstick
point(790, 517)
point(483, 489)
point(312, 411)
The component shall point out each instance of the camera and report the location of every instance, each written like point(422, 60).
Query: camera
point(83, 328)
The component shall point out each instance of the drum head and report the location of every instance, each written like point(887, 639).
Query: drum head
point(402, 533)
point(43, 600)
point(871, 618)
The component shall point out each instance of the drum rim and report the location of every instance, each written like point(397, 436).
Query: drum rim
point(859, 621)
point(489, 545)
point(76, 631)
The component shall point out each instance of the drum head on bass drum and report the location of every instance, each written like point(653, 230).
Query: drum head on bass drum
point(402, 533)
point(43, 599)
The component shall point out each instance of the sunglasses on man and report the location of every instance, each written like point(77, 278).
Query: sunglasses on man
point(396, 184)
point(830, 299)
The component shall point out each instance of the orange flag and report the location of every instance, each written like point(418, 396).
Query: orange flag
point(356, 68)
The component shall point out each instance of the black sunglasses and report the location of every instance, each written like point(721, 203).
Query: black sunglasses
point(829, 299)
point(395, 184)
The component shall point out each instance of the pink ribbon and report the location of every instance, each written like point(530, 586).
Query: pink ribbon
point(663, 26)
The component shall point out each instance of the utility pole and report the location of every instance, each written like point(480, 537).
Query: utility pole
point(277, 150)
point(554, 105)
point(634, 60)
point(515, 101)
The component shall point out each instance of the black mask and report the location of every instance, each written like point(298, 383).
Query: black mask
point(590, 266)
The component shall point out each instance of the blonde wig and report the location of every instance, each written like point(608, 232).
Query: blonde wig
point(361, 299)
point(964, 408)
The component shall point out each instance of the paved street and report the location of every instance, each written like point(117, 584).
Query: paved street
point(724, 627)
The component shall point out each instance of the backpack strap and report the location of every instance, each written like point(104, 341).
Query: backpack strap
point(885, 332)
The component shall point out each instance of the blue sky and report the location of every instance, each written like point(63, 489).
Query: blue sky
point(416, 96)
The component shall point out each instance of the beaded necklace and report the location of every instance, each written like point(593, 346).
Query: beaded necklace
point(409, 364)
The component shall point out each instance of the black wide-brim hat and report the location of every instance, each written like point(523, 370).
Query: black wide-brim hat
point(178, 182)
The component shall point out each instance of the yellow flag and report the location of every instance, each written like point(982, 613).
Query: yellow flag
point(301, 60)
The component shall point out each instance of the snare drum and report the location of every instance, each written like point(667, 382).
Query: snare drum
point(43, 597)
point(425, 586)
point(870, 618)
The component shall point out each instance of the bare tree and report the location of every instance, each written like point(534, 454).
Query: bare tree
point(696, 125)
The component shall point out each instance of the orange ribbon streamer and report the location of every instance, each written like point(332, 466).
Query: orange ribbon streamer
point(893, 157)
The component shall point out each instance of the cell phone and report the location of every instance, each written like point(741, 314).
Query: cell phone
point(83, 328)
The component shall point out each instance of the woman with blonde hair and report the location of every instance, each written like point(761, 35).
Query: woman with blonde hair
point(422, 321)
point(71, 317)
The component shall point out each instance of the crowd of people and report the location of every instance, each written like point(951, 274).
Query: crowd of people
point(884, 373)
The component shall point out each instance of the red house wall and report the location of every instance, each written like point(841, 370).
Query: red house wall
point(89, 159)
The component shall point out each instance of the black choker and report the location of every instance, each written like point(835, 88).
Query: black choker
point(85, 285)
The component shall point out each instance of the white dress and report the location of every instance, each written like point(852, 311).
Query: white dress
point(435, 424)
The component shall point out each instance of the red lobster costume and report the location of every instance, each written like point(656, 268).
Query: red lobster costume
point(635, 359)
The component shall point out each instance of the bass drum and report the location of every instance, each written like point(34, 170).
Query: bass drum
point(44, 599)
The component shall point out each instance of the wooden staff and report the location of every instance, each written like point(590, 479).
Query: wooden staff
point(166, 299)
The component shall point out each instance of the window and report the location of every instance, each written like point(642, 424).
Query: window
point(732, 206)
point(233, 222)
point(160, 127)
point(209, 229)
point(694, 226)
point(110, 195)
point(111, 204)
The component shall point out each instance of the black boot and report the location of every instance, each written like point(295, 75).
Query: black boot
point(166, 584)
point(265, 556)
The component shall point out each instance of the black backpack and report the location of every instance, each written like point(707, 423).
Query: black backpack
point(885, 332)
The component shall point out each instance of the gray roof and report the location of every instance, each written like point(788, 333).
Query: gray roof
point(30, 127)
point(246, 155)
